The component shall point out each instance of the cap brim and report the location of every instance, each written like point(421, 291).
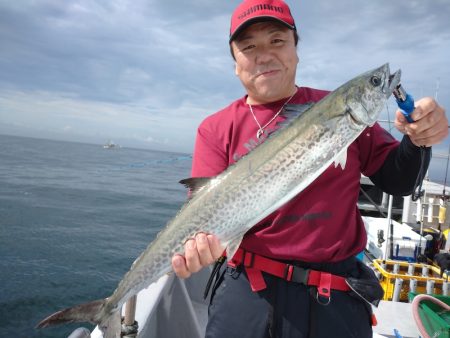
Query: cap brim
point(251, 21)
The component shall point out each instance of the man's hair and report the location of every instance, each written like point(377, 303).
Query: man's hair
point(296, 39)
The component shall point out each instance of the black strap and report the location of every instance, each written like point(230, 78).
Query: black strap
point(417, 190)
point(403, 169)
point(213, 275)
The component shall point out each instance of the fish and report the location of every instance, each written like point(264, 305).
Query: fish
point(310, 139)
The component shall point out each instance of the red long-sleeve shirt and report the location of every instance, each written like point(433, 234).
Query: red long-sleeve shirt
point(322, 223)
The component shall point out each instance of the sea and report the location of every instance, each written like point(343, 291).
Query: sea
point(73, 218)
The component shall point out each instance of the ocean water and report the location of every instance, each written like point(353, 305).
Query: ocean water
point(73, 217)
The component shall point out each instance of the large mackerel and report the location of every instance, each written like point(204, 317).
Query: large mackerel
point(258, 184)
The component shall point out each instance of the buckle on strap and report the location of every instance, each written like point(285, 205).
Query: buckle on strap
point(296, 274)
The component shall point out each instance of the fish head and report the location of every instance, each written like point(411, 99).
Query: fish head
point(366, 95)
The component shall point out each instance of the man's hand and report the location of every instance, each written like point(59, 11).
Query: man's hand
point(199, 252)
point(430, 124)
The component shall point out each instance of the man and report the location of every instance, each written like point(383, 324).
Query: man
point(320, 230)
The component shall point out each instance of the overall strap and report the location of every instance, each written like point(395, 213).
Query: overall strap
point(255, 264)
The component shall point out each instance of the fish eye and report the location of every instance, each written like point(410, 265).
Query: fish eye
point(375, 81)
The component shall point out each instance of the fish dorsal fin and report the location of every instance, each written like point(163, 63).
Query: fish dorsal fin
point(290, 112)
point(293, 111)
point(195, 184)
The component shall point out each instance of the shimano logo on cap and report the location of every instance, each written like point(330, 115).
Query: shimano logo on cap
point(257, 8)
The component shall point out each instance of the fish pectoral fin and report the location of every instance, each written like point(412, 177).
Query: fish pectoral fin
point(341, 159)
point(233, 246)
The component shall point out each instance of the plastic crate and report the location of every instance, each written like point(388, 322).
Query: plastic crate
point(435, 319)
point(384, 270)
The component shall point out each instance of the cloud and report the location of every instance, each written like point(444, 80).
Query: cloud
point(355, 36)
point(149, 69)
point(132, 124)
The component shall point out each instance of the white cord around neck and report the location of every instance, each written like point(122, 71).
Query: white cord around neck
point(261, 128)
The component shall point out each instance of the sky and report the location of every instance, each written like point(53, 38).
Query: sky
point(145, 73)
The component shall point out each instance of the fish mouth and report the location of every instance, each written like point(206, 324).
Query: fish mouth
point(393, 82)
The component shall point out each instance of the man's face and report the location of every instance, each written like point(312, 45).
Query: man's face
point(266, 61)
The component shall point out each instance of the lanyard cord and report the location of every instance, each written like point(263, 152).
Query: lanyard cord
point(417, 190)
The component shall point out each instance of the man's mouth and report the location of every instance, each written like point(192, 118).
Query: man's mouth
point(267, 72)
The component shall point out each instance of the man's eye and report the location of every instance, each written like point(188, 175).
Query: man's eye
point(277, 41)
point(248, 48)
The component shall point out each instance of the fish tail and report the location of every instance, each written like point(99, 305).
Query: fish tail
point(88, 312)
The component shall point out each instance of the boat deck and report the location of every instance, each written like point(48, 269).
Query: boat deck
point(175, 308)
point(395, 315)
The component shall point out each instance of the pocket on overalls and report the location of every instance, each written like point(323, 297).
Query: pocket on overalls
point(366, 286)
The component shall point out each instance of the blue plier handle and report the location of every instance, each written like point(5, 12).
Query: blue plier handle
point(405, 102)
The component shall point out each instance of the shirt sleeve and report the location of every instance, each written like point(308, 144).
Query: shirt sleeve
point(210, 156)
point(404, 166)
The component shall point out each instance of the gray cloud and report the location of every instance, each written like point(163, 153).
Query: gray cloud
point(149, 71)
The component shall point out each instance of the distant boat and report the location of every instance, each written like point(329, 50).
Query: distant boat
point(110, 145)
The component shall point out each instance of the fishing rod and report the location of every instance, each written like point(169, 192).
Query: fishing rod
point(444, 197)
point(446, 172)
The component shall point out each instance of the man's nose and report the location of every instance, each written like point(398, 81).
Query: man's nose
point(263, 55)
